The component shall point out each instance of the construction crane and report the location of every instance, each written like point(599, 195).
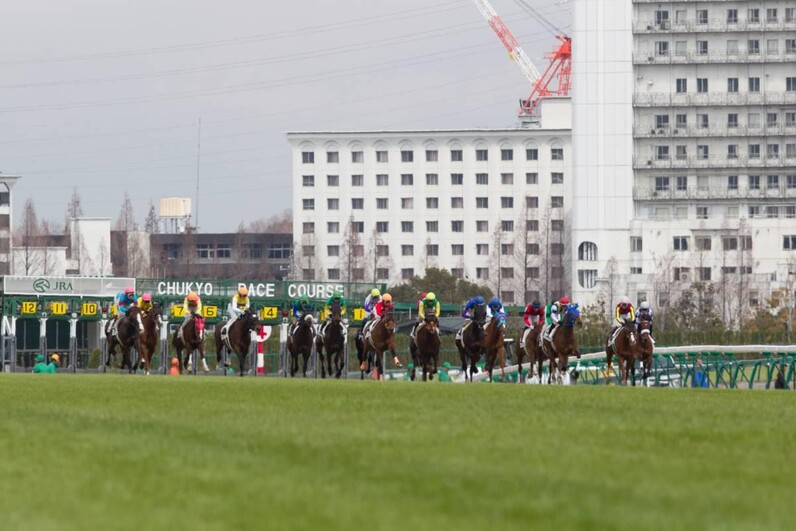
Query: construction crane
point(560, 65)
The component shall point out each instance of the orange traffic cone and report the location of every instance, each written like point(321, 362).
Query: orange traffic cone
point(175, 367)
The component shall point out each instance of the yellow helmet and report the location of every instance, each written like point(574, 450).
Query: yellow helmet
point(375, 292)
point(430, 296)
point(243, 291)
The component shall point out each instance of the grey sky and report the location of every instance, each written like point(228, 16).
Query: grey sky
point(105, 96)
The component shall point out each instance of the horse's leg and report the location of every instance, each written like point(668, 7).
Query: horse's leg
point(306, 356)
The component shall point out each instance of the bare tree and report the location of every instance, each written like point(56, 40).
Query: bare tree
point(498, 259)
point(126, 220)
point(429, 259)
point(378, 256)
point(27, 239)
point(48, 259)
point(281, 223)
point(663, 283)
point(74, 209)
point(152, 221)
point(137, 265)
point(745, 261)
point(103, 255)
point(611, 283)
point(526, 252)
point(188, 252)
point(352, 253)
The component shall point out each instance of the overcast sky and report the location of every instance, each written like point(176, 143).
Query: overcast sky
point(105, 96)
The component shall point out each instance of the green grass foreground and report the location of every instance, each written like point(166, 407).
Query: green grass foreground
point(120, 452)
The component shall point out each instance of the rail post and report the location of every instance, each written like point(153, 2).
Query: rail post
point(72, 367)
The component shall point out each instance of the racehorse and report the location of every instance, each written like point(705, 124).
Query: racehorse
point(380, 339)
point(148, 339)
point(126, 338)
point(333, 341)
point(425, 347)
point(300, 342)
point(564, 345)
point(238, 339)
point(470, 341)
point(530, 347)
point(644, 349)
point(193, 335)
point(625, 349)
point(494, 344)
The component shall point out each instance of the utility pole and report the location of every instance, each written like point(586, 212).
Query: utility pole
point(198, 160)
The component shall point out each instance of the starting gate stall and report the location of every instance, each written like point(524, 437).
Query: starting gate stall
point(44, 315)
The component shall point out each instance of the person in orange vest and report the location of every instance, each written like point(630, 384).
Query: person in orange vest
point(175, 367)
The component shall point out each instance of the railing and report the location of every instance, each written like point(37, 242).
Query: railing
point(668, 99)
point(694, 193)
point(713, 161)
point(649, 26)
point(693, 57)
point(648, 130)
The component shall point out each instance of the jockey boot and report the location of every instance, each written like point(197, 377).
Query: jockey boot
point(140, 324)
point(553, 332)
point(546, 334)
point(182, 327)
point(115, 326)
point(614, 333)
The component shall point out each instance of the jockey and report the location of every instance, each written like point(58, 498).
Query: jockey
point(644, 314)
point(337, 296)
point(556, 309)
point(300, 306)
point(373, 298)
point(384, 304)
point(471, 304)
point(495, 309)
point(624, 313)
point(145, 302)
point(427, 302)
point(534, 310)
point(192, 304)
point(124, 300)
point(238, 304)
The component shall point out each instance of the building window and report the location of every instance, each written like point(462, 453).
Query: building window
point(682, 183)
point(557, 201)
point(771, 119)
point(432, 155)
point(772, 46)
point(457, 226)
point(507, 178)
point(790, 46)
point(332, 180)
point(532, 249)
point(790, 119)
point(382, 203)
point(308, 180)
point(508, 296)
point(357, 157)
point(702, 47)
point(205, 251)
point(506, 154)
point(382, 273)
point(682, 274)
point(407, 156)
point(703, 152)
point(680, 243)
point(681, 120)
point(790, 14)
point(732, 16)
point(754, 211)
point(702, 212)
point(407, 203)
point(753, 150)
point(531, 154)
point(557, 153)
point(308, 157)
point(533, 272)
point(308, 204)
point(587, 278)
point(790, 181)
point(382, 226)
point(456, 155)
point(507, 272)
point(481, 202)
point(407, 273)
point(753, 46)
point(636, 271)
point(481, 178)
point(790, 151)
point(729, 243)
point(754, 84)
point(358, 227)
point(790, 84)
point(507, 225)
point(481, 154)
point(482, 273)
point(702, 243)
point(382, 156)
point(702, 16)
point(703, 121)
point(587, 251)
point(771, 14)
point(732, 84)
point(772, 212)
point(382, 180)
point(732, 120)
point(407, 226)
point(432, 179)
point(407, 250)
point(662, 152)
point(772, 151)
point(432, 202)
point(661, 184)
point(457, 272)
point(333, 273)
point(506, 202)
point(357, 180)
point(333, 204)
point(224, 250)
point(432, 250)
point(772, 181)
point(532, 225)
point(790, 211)
point(753, 16)
point(702, 85)
point(557, 225)
point(382, 250)
point(457, 249)
point(407, 179)
point(789, 243)
point(332, 157)
point(457, 179)
point(636, 244)
point(532, 178)
point(482, 249)
point(557, 178)
point(481, 226)
point(662, 48)
point(251, 251)
point(333, 227)
point(457, 202)
point(681, 85)
point(432, 226)
point(357, 203)
point(332, 250)
point(531, 202)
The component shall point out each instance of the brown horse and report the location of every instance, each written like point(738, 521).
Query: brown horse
point(530, 347)
point(380, 340)
point(563, 346)
point(148, 339)
point(300, 342)
point(192, 340)
point(425, 348)
point(644, 349)
point(470, 341)
point(625, 349)
point(333, 342)
point(238, 340)
point(127, 337)
point(494, 343)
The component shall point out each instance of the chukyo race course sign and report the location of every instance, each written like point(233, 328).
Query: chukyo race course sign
point(274, 290)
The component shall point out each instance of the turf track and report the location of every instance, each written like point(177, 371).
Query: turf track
point(120, 452)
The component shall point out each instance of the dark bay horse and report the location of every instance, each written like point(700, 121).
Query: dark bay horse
point(380, 340)
point(644, 350)
point(494, 343)
point(529, 346)
point(238, 340)
point(126, 338)
point(564, 345)
point(300, 342)
point(192, 340)
point(425, 348)
point(625, 349)
point(148, 339)
point(333, 343)
point(470, 341)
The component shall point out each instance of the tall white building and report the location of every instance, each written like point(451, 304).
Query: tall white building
point(684, 148)
point(490, 205)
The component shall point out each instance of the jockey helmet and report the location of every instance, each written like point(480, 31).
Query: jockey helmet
point(375, 292)
point(56, 358)
point(624, 300)
point(536, 304)
point(423, 295)
point(129, 290)
point(337, 294)
point(304, 299)
point(479, 300)
point(147, 297)
point(495, 302)
point(644, 305)
point(243, 291)
point(192, 296)
point(430, 296)
point(387, 298)
point(564, 301)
